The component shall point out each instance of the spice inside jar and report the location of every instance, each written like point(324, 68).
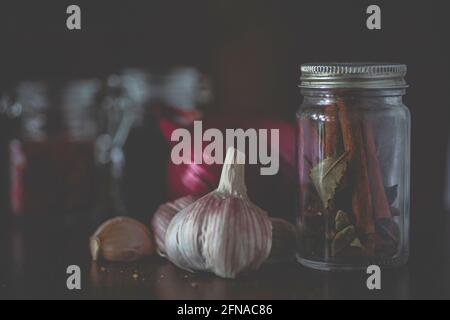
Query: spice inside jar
point(353, 163)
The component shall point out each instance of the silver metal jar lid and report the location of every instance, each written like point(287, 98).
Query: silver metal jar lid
point(353, 75)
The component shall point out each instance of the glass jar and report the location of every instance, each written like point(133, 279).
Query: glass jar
point(145, 150)
point(73, 148)
point(6, 122)
point(31, 176)
point(130, 151)
point(51, 155)
point(353, 164)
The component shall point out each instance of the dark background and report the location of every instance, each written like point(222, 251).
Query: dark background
point(253, 51)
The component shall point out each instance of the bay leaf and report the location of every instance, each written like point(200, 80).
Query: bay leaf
point(342, 220)
point(327, 175)
point(356, 243)
point(342, 240)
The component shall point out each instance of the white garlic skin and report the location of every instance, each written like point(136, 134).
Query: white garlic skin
point(222, 232)
point(162, 218)
point(121, 239)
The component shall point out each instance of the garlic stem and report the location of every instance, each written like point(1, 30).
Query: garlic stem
point(232, 179)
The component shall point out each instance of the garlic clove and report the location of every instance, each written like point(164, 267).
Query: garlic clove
point(283, 241)
point(121, 239)
point(95, 247)
point(162, 218)
point(222, 232)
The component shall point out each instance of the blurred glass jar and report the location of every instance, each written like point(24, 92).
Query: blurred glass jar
point(138, 113)
point(31, 176)
point(353, 153)
point(8, 123)
point(52, 155)
point(187, 91)
point(130, 150)
point(74, 145)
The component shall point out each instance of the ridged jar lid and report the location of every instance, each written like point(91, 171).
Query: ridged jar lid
point(353, 75)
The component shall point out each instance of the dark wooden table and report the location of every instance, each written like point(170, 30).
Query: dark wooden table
point(34, 257)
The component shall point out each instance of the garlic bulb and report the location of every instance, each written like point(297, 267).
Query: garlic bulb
point(222, 232)
point(162, 218)
point(121, 239)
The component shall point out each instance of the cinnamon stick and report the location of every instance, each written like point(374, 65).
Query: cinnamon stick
point(331, 131)
point(352, 137)
point(380, 202)
point(330, 145)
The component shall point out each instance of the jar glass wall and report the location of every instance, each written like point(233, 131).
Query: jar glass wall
point(353, 157)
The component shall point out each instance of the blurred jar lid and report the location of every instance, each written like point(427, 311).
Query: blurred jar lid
point(185, 88)
point(32, 102)
point(79, 98)
point(139, 85)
